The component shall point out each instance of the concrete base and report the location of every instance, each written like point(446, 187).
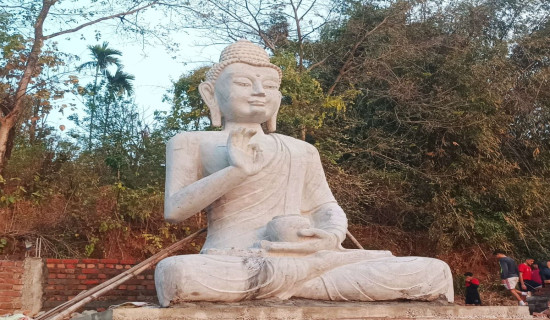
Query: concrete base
point(307, 309)
point(31, 294)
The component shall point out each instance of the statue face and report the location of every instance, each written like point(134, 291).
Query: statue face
point(248, 94)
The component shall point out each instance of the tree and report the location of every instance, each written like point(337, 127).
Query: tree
point(44, 87)
point(445, 137)
point(188, 111)
point(103, 57)
point(118, 85)
point(40, 15)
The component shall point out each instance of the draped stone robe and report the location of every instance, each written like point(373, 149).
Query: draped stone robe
point(231, 267)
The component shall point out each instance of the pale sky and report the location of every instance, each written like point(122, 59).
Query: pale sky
point(154, 69)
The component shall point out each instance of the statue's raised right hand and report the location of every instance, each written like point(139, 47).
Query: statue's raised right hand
point(244, 155)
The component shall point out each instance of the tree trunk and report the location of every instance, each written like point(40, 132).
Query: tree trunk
point(8, 120)
point(92, 109)
point(6, 128)
point(32, 129)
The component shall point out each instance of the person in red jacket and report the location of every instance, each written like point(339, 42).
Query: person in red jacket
point(472, 295)
point(526, 277)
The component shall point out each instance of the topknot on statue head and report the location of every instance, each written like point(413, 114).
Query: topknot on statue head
point(242, 51)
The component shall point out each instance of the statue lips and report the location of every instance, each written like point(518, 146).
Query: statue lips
point(257, 103)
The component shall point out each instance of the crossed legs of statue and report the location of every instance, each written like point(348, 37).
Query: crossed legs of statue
point(327, 275)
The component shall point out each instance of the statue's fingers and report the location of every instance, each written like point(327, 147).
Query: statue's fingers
point(240, 137)
point(255, 150)
point(307, 232)
point(264, 244)
point(286, 246)
point(250, 133)
point(259, 156)
point(233, 137)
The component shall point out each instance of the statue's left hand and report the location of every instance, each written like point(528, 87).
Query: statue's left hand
point(312, 240)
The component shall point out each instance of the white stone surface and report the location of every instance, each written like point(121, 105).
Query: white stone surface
point(274, 227)
point(309, 310)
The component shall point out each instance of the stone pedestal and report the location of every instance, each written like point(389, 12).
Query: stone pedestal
point(310, 310)
point(539, 301)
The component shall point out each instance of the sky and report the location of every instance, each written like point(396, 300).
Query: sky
point(153, 67)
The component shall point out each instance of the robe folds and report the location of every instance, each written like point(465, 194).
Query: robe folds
point(231, 266)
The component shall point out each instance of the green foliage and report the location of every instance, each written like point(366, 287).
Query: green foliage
point(188, 112)
point(3, 244)
point(90, 247)
point(432, 120)
point(439, 109)
point(305, 105)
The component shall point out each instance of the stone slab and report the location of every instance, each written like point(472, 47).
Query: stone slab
point(313, 310)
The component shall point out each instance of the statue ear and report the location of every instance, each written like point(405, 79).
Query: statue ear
point(206, 89)
point(271, 124)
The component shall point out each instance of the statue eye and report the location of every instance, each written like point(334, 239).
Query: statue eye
point(242, 84)
point(270, 85)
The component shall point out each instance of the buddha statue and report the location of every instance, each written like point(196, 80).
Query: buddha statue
point(274, 228)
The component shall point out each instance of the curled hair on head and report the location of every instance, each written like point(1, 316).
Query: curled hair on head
point(498, 251)
point(468, 274)
point(242, 51)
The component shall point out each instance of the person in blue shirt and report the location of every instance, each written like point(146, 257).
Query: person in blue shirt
point(509, 274)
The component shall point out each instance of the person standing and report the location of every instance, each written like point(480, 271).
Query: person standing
point(509, 274)
point(472, 294)
point(536, 274)
point(545, 272)
point(526, 277)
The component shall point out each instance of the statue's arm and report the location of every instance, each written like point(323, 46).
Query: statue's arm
point(329, 222)
point(319, 203)
point(331, 218)
point(187, 191)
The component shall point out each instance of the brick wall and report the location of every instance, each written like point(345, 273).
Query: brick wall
point(11, 285)
point(66, 278)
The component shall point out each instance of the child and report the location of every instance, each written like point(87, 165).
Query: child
point(472, 295)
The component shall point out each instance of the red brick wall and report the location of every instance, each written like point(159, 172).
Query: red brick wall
point(66, 278)
point(11, 284)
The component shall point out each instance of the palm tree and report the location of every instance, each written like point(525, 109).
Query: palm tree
point(102, 58)
point(120, 83)
point(117, 85)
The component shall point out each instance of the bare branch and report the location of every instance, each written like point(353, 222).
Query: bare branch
point(317, 64)
point(308, 9)
point(99, 20)
point(260, 32)
point(351, 53)
point(299, 31)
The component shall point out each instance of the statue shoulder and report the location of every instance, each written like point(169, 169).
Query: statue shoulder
point(298, 144)
point(189, 138)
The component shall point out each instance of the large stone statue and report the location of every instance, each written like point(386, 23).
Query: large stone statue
point(274, 227)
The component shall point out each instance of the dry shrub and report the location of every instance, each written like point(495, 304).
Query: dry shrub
point(400, 243)
point(26, 217)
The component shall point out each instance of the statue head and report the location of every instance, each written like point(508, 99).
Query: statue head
point(243, 86)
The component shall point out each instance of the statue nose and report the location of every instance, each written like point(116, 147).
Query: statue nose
point(258, 89)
